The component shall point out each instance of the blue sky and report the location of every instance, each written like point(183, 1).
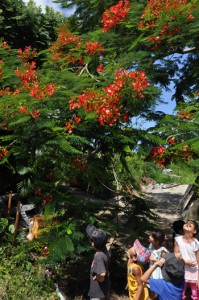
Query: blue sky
point(50, 3)
point(170, 104)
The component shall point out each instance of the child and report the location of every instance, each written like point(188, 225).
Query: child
point(171, 286)
point(138, 255)
point(177, 229)
point(157, 251)
point(187, 247)
point(156, 240)
point(99, 273)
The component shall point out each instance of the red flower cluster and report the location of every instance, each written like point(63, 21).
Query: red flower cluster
point(165, 9)
point(26, 54)
point(94, 48)
point(37, 192)
point(160, 162)
point(100, 68)
point(65, 37)
point(115, 14)
point(137, 79)
point(157, 151)
point(22, 109)
point(69, 126)
point(61, 48)
point(7, 91)
point(47, 198)
point(45, 251)
point(30, 82)
point(41, 93)
point(185, 153)
point(155, 8)
point(183, 115)
point(78, 163)
point(171, 141)
point(5, 46)
point(106, 103)
point(103, 104)
point(35, 113)
point(3, 152)
point(68, 47)
point(29, 76)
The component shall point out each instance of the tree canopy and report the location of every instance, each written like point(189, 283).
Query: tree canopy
point(26, 25)
point(67, 113)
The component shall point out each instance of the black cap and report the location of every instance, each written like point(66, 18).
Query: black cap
point(173, 269)
point(98, 236)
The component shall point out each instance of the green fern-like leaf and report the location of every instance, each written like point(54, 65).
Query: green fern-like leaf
point(64, 145)
point(23, 119)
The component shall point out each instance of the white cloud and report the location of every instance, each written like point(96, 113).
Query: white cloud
point(55, 6)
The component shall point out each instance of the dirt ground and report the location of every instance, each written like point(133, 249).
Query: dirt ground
point(167, 198)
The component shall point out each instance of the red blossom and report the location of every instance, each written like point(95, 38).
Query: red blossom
point(164, 9)
point(115, 14)
point(40, 93)
point(45, 251)
point(69, 127)
point(160, 162)
point(8, 92)
point(185, 153)
point(50, 89)
point(171, 140)
point(37, 92)
point(78, 163)
point(125, 118)
point(157, 151)
point(5, 45)
point(26, 54)
point(94, 48)
point(77, 119)
point(190, 17)
point(60, 49)
point(29, 76)
point(35, 113)
point(106, 103)
point(22, 109)
point(183, 115)
point(37, 192)
point(100, 68)
point(47, 198)
point(3, 152)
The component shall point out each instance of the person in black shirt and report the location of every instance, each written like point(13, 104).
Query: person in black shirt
point(99, 273)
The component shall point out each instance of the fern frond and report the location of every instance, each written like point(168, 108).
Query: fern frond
point(23, 119)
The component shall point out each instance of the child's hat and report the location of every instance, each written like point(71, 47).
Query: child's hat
point(142, 252)
point(98, 236)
